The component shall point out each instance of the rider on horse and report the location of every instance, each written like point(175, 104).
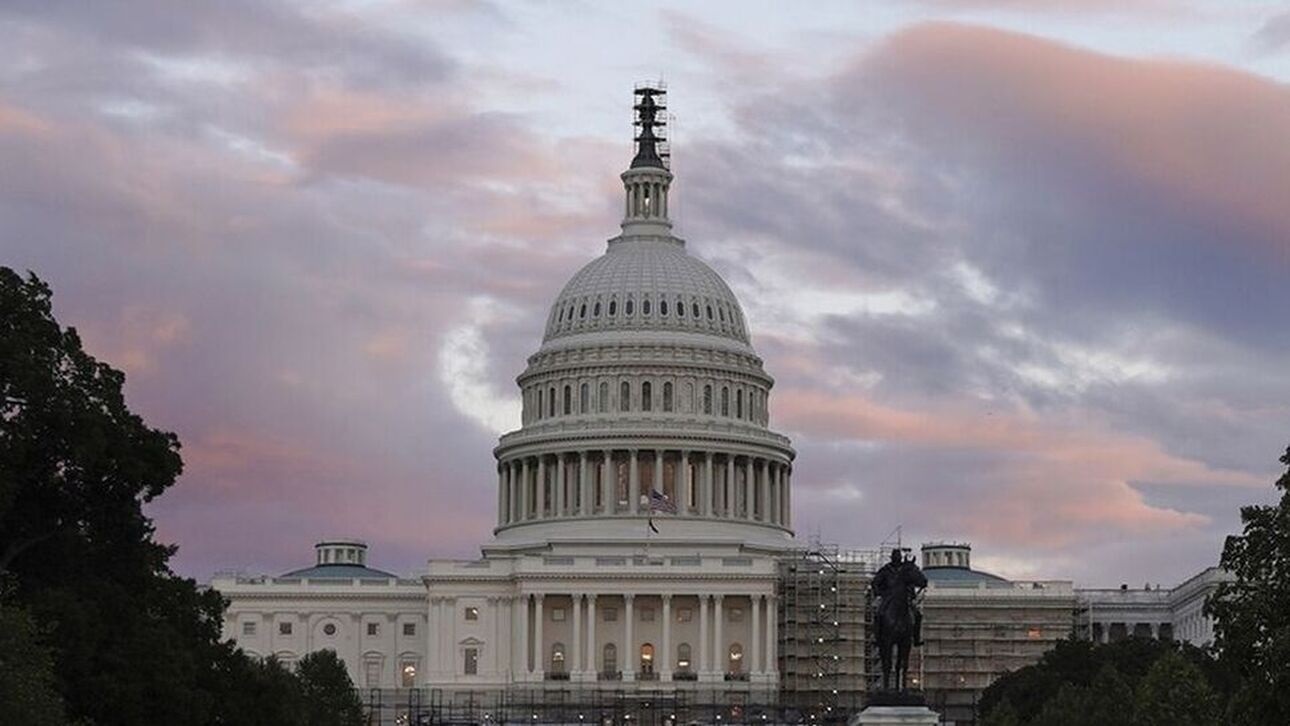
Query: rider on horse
point(890, 579)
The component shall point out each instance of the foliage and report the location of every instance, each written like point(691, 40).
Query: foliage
point(28, 693)
point(1174, 693)
point(329, 695)
point(1252, 612)
point(1003, 714)
point(97, 617)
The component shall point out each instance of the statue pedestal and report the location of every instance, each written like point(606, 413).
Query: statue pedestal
point(895, 708)
point(895, 716)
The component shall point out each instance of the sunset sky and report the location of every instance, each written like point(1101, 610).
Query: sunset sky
point(1022, 276)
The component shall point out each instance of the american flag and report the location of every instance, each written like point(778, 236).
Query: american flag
point(660, 502)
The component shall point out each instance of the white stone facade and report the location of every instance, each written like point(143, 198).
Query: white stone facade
point(1110, 614)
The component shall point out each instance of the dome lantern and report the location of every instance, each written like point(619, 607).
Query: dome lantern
point(647, 180)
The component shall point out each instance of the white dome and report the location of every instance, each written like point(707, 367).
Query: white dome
point(647, 285)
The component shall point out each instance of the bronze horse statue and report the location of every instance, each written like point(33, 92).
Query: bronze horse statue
point(897, 621)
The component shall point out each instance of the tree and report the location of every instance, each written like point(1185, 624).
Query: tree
point(1252, 612)
point(1111, 699)
point(28, 693)
point(1174, 693)
point(132, 642)
point(1003, 714)
point(328, 692)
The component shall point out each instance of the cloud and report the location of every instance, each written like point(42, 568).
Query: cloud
point(1274, 34)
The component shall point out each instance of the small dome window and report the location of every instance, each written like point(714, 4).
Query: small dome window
point(695, 310)
point(645, 307)
point(722, 313)
point(583, 312)
point(662, 307)
point(628, 309)
point(709, 312)
point(613, 307)
point(680, 309)
point(560, 318)
point(595, 311)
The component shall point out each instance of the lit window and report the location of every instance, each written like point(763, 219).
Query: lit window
point(472, 613)
point(284, 628)
point(647, 658)
point(736, 661)
point(470, 661)
point(408, 674)
point(409, 629)
point(683, 657)
point(1033, 634)
point(373, 629)
point(248, 628)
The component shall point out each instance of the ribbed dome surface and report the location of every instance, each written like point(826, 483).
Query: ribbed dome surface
point(647, 285)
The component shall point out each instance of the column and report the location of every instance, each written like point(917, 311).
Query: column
point(432, 639)
point(706, 489)
point(755, 636)
point(772, 480)
point(519, 631)
point(772, 637)
point(592, 666)
point(763, 482)
point(514, 484)
point(685, 483)
point(633, 483)
point(559, 485)
point(524, 490)
point(501, 495)
point(539, 648)
point(729, 499)
point(658, 470)
point(606, 492)
point(788, 496)
point(718, 642)
point(541, 488)
point(703, 667)
point(630, 655)
point(584, 486)
point(526, 662)
point(664, 659)
point(575, 667)
point(750, 484)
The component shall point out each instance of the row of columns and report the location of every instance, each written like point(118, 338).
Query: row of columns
point(712, 663)
point(523, 492)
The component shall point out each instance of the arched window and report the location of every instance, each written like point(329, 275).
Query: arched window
point(687, 398)
point(736, 663)
point(550, 401)
point(647, 396)
point(707, 399)
point(683, 662)
point(613, 308)
point(595, 311)
point(709, 312)
point(568, 400)
point(694, 308)
point(609, 659)
point(557, 658)
point(725, 401)
point(603, 403)
point(667, 396)
point(539, 403)
point(645, 307)
point(680, 308)
point(647, 659)
point(662, 307)
point(721, 311)
point(628, 309)
point(625, 397)
point(582, 313)
point(739, 403)
point(584, 398)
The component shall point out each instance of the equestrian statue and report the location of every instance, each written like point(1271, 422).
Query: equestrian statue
point(897, 620)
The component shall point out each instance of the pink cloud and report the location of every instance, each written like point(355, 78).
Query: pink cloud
point(1209, 137)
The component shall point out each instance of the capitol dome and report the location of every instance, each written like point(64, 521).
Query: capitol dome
point(646, 401)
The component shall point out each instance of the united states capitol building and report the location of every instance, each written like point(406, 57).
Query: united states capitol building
point(643, 565)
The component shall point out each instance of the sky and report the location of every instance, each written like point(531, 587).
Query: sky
point(1020, 269)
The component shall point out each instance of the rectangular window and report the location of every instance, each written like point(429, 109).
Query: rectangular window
point(557, 615)
point(472, 613)
point(736, 615)
point(647, 615)
point(248, 628)
point(611, 615)
point(373, 629)
point(284, 628)
point(409, 629)
point(373, 674)
point(684, 615)
point(470, 666)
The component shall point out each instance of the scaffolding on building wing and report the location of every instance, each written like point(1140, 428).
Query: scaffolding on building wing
point(827, 659)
